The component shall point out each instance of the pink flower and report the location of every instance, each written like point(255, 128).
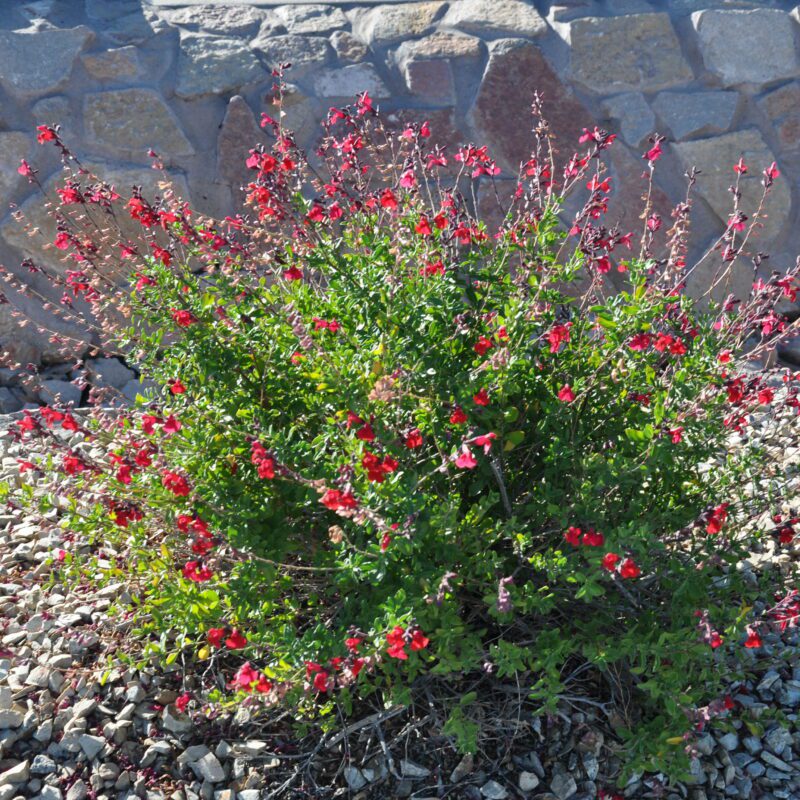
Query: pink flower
point(465, 459)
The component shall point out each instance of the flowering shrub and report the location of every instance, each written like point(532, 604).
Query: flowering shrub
point(387, 439)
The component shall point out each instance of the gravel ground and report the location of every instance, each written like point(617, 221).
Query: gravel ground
point(76, 722)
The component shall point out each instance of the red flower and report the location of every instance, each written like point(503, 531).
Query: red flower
point(641, 341)
point(413, 439)
point(196, 571)
point(215, 636)
point(183, 701)
point(62, 240)
point(593, 538)
point(565, 394)
point(418, 640)
point(663, 342)
point(376, 468)
point(386, 540)
point(73, 465)
point(236, 641)
point(458, 417)
point(654, 153)
point(335, 500)
point(293, 274)
point(610, 561)
point(717, 519)
point(366, 434)
point(245, 677)
point(771, 172)
point(557, 335)
point(481, 398)
point(171, 425)
point(352, 643)
point(741, 167)
point(766, 396)
point(388, 200)
point(164, 256)
point(786, 535)
point(321, 681)
point(396, 639)
point(676, 434)
point(264, 462)
point(45, 134)
point(124, 474)
point(183, 318)
point(175, 483)
point(432, 268)
point(484, 441)
point(753, 639)
point(628, 569)
point(724, 356)
point(573, 535)
point(482, 346)
point(176, 387)
point(423, 227)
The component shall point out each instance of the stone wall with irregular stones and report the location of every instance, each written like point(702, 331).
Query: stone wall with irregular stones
point(720, 78)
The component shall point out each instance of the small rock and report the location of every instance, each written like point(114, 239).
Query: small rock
point(91, 745)
point(174, 721)
point(408, 769)
point(38, 676)
point(730, 741)
point(774, 761)
point(528, 781)
point(563, 784)
point(11, 718)
point(78, 791)
point(209, 768)
point(462, 769)
point(493, 791)
point(355, 778)
point(19, 773)
point(778, 739)
point(43, 765)
point(705, 744)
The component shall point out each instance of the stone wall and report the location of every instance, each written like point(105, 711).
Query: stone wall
point(719, 78)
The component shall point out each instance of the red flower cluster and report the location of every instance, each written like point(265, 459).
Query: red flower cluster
point(627, 569)
point(233, 639)
point(175, 483)
point(589, 538)
point(337, 500)
point(264, 463)
point(716, 519)
point(399, 637)
point(377, 468)
point(248, 679)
